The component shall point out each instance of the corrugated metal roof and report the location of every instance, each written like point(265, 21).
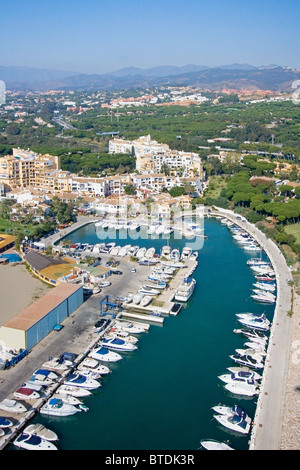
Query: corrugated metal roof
point(39, 261)
point(6, 240)
point(32, 314)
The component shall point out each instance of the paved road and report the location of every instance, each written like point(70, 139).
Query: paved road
point(266, 432)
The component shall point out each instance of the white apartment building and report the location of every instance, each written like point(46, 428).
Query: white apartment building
point(153, 157)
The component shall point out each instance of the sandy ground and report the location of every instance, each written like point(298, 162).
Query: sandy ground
point(18, 289)
point(290, 437)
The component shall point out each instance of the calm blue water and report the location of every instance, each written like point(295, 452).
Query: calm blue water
point(160, 397)
point(12, 257)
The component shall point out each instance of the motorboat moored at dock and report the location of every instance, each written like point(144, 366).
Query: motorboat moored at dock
point(185, 290)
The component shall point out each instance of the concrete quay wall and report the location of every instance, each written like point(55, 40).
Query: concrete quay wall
point(267, 427)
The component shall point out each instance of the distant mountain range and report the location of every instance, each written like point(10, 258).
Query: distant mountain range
point(235, 76)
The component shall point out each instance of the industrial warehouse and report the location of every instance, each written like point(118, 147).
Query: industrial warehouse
point(35, 322)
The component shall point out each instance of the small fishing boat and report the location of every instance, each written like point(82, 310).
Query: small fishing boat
point(33, 442)
point(56, 407)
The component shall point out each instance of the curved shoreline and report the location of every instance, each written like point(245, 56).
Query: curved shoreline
point(268, 420)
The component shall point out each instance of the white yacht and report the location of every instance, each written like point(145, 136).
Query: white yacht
point(115, 250)
point(146, 300)
point(160, 229)
point(40, 430)
point(168, 230)
point(263, 299)
point(103, 354)
point(91, 364)
point(235, 422)
point(265, 286)
point(166, 251)
point(33, 442)
point(47, 373)
point(118, 333)
point(123, 251)
point(175, 254)
point(137, 298)
point(243, 376)
point(160, 285)
point(79, 380)
point(73, 390)
point(39, 379)
point(12, 406)
point(25, 393)
point(130, 327)
point(257, 323)
point(149, 291)
point(186, 253)
point(150, 253)
point(249, 361)
point(238, 370)
point(215, 445)
point(185, 290)
point(56, 407)
point(141, 253)
point(118, 344)
point(241, 383)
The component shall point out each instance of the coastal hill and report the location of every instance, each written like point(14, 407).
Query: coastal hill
point(235, 76)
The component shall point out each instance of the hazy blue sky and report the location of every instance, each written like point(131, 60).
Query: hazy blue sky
point(98, 36)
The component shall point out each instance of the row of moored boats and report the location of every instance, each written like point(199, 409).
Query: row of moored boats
point(67, 383)
point(244, 379)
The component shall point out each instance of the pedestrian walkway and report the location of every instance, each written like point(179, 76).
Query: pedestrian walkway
point(266, 432)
